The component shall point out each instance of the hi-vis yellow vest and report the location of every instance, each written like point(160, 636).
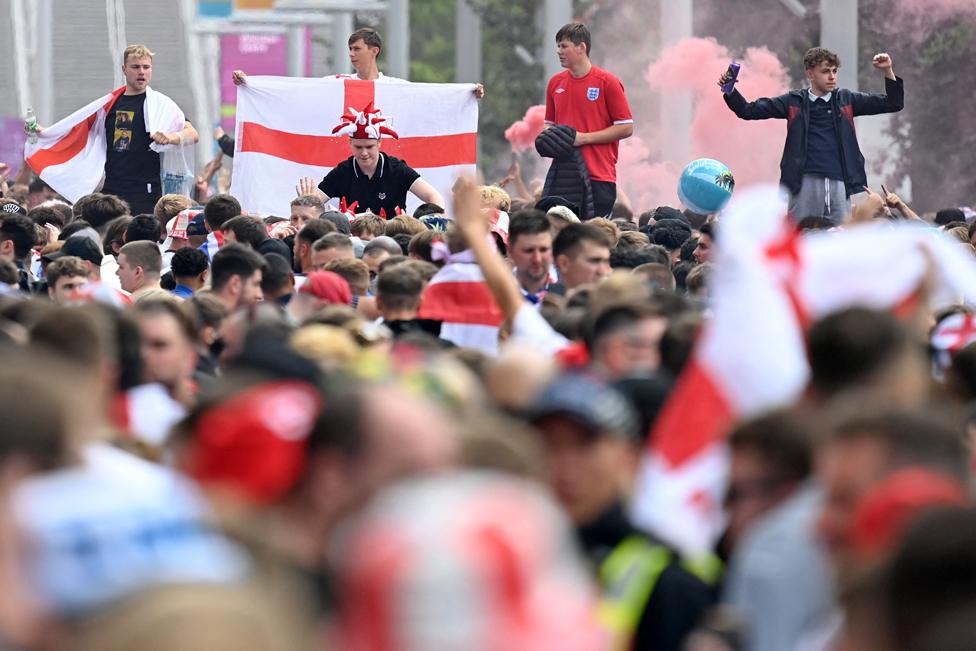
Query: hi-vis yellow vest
point(628, 577)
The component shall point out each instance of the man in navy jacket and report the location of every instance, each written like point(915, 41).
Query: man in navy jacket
point(822, 165)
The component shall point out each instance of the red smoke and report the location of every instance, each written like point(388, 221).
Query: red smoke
point(522, 134)
point(751, 149)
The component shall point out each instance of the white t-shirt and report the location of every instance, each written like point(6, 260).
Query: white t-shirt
point(531, 328)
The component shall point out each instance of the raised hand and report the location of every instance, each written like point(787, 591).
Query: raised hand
point(306, 186)
point(239, 78)
point(281, 230)
point(882, 62)
point(468, 217)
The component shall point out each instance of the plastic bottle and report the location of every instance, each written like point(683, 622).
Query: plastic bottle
point(30, 125)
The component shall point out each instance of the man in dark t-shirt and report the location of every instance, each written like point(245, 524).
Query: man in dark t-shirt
point(370, 179)
point(132, 169)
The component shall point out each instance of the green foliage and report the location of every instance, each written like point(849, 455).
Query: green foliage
point(934, 133)
point(432, 40)
point(511, 86)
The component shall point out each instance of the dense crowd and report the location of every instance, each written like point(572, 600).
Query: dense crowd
point(425, 431)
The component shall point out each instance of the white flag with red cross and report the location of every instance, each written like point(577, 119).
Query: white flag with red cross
point(769, 284)
point(284, 133)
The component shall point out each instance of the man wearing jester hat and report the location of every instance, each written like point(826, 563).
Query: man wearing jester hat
point(370, 179)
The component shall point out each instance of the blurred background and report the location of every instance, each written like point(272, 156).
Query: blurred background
point(60, 54)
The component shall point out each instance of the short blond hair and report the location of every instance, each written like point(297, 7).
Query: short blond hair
point(608, 227)
point(137, 51)
point(169, 206)
point(494, 197)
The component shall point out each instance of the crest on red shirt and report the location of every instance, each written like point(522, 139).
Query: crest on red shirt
point(592, 94)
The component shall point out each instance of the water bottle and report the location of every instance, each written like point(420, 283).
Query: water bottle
point(30, 125)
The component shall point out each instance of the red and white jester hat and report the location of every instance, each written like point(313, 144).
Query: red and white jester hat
point(365, 124)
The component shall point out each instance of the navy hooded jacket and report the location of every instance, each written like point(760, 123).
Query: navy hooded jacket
point(794, 107)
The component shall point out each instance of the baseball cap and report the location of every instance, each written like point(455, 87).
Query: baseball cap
point(196, 225)
point(80, 246)
point(340, 220)
point(327, 286)
point(177, 226)
point(594, 405)
point(563, 213)
point(254, 443)
point(545, 203)
point(435, 221)
point(12, 208)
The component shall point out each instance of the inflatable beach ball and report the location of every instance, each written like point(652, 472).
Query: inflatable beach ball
point(705, 186)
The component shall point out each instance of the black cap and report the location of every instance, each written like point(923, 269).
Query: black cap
point(545, 203)
point(12, 208)
point(949, 215)
point(197, 226)
point(340, 220)
point(594, 405)
point(81, 246)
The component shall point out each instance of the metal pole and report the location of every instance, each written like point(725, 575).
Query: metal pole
point(341, 29)
point(21, 77)
point(203, 118)
point(398, 38)
point(676, 106)
point(45, 70)
point(296, 50)
point(838, 32)
point(467, 44)
point(555, 14)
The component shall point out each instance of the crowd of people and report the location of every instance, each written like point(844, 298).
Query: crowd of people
point(423, 431)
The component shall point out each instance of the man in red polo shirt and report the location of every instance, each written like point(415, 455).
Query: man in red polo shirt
point(592, 101)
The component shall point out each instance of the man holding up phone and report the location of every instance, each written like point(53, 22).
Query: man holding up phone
point(822, 164)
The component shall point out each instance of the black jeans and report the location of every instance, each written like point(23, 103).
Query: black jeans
point(604, 196)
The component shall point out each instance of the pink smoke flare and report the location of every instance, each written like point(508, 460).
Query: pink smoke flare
point(751, 149)
point(522, 134)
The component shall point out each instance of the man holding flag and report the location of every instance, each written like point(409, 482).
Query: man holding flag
point(370, 179)
point(123, 133)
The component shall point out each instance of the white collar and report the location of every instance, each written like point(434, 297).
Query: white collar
point(814, 98)
point(380, 166)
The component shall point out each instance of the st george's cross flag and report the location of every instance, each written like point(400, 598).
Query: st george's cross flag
point(70, 154)
point(284, 133)
point(768, 286)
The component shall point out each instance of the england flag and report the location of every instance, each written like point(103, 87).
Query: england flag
point(284, 133)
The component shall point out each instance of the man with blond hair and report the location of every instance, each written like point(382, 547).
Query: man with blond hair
point(132, 166)
point(141, 125)
point(169, 206)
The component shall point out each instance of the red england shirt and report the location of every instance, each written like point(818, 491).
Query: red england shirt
point(592, 102)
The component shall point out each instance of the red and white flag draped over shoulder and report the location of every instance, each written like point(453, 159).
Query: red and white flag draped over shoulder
point(768, 285)
point(284, 133)
point(458, 297)
point(69, 155)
